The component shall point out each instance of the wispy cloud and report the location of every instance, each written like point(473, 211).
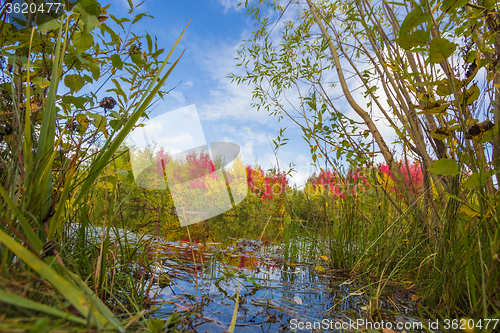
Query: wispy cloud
point(231, 5)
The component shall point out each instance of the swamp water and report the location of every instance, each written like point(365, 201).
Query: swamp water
point(203, 282)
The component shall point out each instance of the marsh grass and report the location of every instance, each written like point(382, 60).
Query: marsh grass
point(52, 278)
point(447, 255)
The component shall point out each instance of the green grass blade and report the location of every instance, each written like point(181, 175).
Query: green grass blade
point(32, 305)
point(33, 239)
point(48, 127)
point(57, 220)
point(235, 314)
point(69, 291)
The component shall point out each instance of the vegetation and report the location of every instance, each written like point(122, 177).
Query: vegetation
point(426, 217)
point(48, 167)
point(430, 71)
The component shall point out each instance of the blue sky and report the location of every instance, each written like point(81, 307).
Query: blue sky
point(216, 30)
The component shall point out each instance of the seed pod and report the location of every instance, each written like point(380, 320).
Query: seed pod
point(107, 103)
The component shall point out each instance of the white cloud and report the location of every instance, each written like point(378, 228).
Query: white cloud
point(174, 131)
point(189, 84)
point(178, 96)
point(231, 5)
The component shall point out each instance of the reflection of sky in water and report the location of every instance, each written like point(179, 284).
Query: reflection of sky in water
point(266, 309)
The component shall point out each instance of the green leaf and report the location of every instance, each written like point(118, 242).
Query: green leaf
point(89, 20)
point(99, 121)
point(95, 69)
point(41, 82)
point(445, 167)
point(74, 82)
point(450, 5)
point(46, 23)
point(82, 41)
point(412, 20)
point(116, 61)
point(478, 178)
point(417, 38)
point(155, 325)
point(150, 43)
point(137, 59)
point(441, 49)
point(91, 6)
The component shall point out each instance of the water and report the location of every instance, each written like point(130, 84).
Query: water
point(273, 296)
point(200, 282)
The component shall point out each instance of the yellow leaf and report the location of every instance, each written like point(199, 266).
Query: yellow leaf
point(319, 268)
point(414, 298)
point(83, 120)
point(324, 258)
point(469, 212)
point(442, 133)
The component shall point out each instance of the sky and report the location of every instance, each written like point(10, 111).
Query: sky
point(212, 38)
point(216, 31)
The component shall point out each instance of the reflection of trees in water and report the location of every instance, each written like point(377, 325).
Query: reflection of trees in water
point(343, 299)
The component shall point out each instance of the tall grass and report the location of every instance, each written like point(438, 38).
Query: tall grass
point(45, 269)
point(451, 259)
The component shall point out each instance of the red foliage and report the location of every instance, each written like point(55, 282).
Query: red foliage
point(197, 165)
point(411, 172)
point(267, 186)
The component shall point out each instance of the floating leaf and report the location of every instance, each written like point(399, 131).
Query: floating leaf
point(445, 167)
point(297, 300)
point(478, 178)
point(441, 49)
point(319, 268)
point(324, 258)
point(442, 133)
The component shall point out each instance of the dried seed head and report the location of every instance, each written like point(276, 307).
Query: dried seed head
point(107, 103)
